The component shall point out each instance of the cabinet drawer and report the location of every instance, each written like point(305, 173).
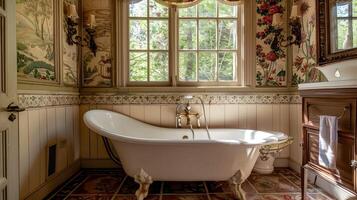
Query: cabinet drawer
point(343, 108)
point(345, 153)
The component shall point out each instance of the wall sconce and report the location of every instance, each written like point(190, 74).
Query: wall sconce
point(72, 33)
point(295, 36)
point(72, 16)
point(90, 29)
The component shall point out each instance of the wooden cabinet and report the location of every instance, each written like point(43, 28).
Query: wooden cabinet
point(335, 102)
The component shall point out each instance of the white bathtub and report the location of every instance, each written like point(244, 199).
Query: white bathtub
point(165, 156)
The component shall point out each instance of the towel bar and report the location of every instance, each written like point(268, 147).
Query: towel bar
point(345, 109)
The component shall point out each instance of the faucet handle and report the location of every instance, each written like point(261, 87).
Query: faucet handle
point(198, 121)
point(188, 108)
point(178, 121)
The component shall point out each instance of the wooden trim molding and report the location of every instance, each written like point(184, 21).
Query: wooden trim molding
point(176, 98)
point(340, 93)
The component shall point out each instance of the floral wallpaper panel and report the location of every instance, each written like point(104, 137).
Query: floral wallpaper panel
point(304, 56)
point(271, 58)
point(97, 69)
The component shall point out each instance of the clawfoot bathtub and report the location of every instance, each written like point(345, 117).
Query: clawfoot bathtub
point(149, 153)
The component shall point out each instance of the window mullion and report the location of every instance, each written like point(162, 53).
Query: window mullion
point(350, 21)
point(217, 48)
point(197, 45)
point(173, 47)
point(148, 40)
point(126, 43)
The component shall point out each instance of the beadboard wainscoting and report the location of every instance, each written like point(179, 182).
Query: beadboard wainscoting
point(262, 114)
point(40, 128)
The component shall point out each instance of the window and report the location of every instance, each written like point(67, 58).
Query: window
point(346, 25)
point(197, 45)
point(149, 42)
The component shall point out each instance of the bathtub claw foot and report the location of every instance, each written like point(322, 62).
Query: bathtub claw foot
point(144, 181)
point(236, 184)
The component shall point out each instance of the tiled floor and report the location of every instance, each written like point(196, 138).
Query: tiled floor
point(104, 184)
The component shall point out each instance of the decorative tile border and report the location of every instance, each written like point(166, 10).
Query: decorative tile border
point(29, 100)
point(39, 100)
point(208, 99)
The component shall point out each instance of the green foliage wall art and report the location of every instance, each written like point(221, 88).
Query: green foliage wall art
point(35, 39)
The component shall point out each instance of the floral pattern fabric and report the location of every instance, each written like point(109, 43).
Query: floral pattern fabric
point(270, 55)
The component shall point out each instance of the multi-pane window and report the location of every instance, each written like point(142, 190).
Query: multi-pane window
point(201, 41)
point(149, 42)
point(346, 24)
point(207, 42)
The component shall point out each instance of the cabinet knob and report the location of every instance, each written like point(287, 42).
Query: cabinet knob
point(354, 164)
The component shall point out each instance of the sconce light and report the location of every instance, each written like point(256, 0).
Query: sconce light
point(71, 18)
point(72, 33)
point(295, 36)
point(90, 29)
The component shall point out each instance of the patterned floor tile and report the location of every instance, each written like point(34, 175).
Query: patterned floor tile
point(174, 187)
point(184, 197)
point(230, 196)
point(223, 187)
point(297, 182)
point(99, 184)
point(102, 184)
point(71, 185)
point(252, 196)
point(89, 197)
point(104, 171)
point(65, 189)
point(222, 196)
point(280, 197)
point(133, 197)
point(218, 187)
point(272, 184)
point(56, 198)
point(318, 196)
point(130, 186)
point(281, 170)
point(248, 188)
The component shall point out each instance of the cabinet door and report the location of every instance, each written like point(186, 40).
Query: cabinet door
point(345, 153)
point(345, 109)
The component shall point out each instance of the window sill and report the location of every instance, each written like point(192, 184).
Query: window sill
point(190, 89)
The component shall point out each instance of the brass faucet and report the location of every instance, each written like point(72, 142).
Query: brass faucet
point(185, 110)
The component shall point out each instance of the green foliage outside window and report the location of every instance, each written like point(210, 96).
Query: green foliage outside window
point(207, 42)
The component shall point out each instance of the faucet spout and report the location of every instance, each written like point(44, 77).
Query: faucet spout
point(187, 113)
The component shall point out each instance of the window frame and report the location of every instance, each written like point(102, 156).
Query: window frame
point(237, 51)
point(350, 18)
point(244, 67)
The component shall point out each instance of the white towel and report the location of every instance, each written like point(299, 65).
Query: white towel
point(328, 139)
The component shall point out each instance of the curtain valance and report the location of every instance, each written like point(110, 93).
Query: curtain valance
point(188, 3)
